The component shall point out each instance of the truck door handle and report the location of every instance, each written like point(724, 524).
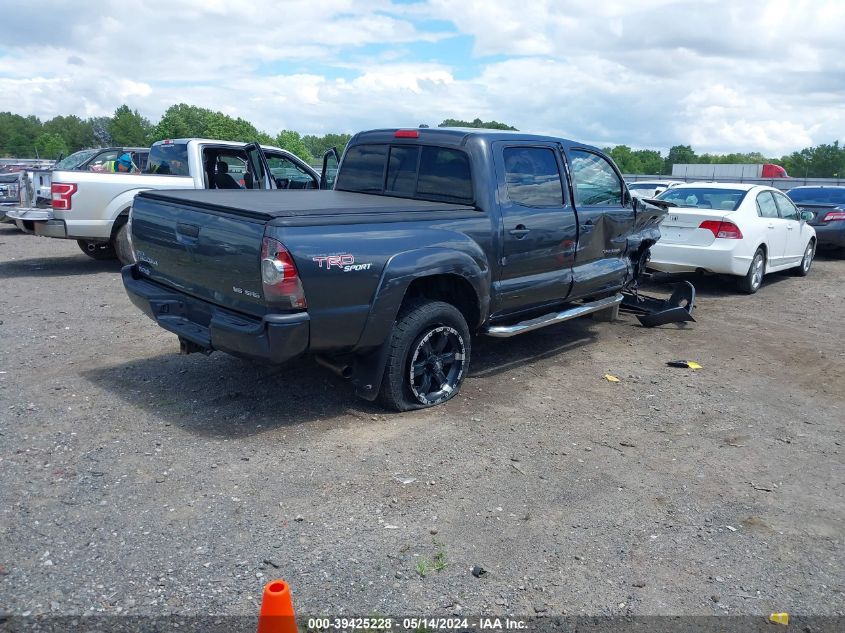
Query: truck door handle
point(520, 231)
point(188, 230)
point(771, 226)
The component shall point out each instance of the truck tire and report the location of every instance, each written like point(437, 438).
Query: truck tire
point(120, 244)
point(428, 356)
point(97, 250)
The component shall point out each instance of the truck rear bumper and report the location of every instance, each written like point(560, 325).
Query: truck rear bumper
point(29, 213)
point(275, 338)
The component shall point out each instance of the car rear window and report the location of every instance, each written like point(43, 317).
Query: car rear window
point(168, 159)
point(704, 198)
point(818, 195)
point(426, 172)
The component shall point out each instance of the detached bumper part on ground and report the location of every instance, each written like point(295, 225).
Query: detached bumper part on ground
point(276, 338)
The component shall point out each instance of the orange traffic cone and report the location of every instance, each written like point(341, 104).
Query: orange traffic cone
point(276, 615)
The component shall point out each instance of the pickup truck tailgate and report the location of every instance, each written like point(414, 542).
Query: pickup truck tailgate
point(210, 255)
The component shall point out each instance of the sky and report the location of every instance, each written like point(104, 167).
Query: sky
point(720, 75)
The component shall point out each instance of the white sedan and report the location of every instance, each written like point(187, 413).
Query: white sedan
point(733, 229)
point(651, 188)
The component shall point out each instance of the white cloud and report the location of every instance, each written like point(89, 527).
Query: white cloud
point(721, 75)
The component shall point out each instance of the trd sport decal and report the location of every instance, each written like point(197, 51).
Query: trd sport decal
point(345, 262)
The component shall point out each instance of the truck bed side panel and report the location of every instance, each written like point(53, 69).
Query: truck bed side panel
point(342, 291)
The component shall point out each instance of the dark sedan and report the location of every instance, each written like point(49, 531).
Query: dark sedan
point(827, 204)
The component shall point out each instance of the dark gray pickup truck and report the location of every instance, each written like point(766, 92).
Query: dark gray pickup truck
point(428, 237)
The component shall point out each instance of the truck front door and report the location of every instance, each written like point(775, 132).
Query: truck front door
point(538, 228)
point(605, 218)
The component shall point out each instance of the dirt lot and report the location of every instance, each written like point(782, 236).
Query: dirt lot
point(138, 481)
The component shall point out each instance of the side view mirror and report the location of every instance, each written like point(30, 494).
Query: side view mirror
point(807, 216)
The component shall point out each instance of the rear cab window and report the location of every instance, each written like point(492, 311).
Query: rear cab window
point(425, 172)
point(168, 159)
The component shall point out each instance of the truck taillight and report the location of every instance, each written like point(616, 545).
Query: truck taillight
point(834, 215)
point(722, 228)
point(60, 193)
point(279, 275)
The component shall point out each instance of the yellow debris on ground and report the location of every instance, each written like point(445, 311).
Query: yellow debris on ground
point(780, 618)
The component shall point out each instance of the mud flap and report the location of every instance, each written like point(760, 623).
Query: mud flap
point(367, 372)
point(652, 311)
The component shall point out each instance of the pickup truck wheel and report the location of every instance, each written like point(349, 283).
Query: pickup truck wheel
point(120, 244)
point(428, 356)
point(97, 250)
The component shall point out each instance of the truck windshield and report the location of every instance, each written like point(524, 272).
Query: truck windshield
point(168, 159)
point(75, 160)
point(425, 172)
point(818, 195)
point(704, 198)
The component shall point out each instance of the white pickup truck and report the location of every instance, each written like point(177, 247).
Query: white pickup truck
point(93, 207)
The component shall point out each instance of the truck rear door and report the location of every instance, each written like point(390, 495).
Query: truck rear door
point(539, 229)
point(605, 219)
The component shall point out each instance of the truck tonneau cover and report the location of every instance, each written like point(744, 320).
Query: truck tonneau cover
point(266, 205)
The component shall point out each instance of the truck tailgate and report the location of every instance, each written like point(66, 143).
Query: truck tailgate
point(213, 256)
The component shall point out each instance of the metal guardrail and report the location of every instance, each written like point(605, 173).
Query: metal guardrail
point(784, 184)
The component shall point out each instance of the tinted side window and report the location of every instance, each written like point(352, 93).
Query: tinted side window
point(168, 159)
point(532, 176)
point(363, 169)
point(595, 181)
point(444, 175)
point(788, 211)
point(402, 169)
point(766, 207)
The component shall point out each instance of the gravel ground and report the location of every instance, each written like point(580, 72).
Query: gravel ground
point(138, 481)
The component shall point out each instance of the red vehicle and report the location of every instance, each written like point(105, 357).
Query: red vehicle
point(711, 171)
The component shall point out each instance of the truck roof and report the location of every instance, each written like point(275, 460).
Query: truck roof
point(209, 140)
point(459, 136)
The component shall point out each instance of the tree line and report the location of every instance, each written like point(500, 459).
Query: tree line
point(821, 161)
point(29, 137)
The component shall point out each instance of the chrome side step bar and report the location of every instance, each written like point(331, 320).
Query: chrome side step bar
point(506, 331)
